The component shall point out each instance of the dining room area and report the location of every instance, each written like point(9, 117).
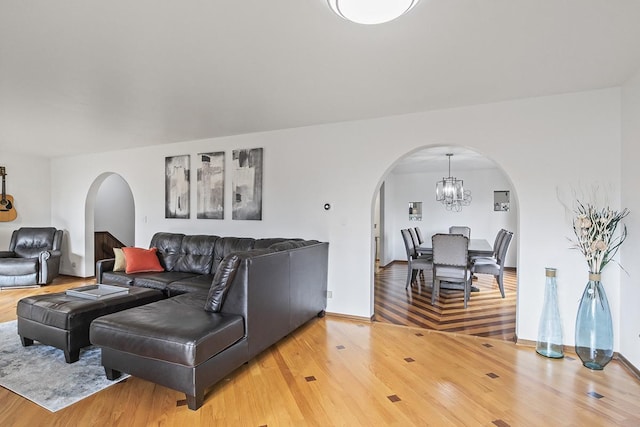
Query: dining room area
point(446, 245)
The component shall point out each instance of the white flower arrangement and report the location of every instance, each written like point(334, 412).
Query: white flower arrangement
point(595, 234)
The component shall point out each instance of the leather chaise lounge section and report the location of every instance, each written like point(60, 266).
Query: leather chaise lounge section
point(279, 284)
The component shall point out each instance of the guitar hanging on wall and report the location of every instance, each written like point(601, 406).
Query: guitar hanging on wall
point(7, 210)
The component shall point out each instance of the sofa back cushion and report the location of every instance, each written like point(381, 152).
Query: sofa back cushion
point(222, 282)
point(265, 243)
point(291, 244)
point(168, 245)
point(201, 254)
point(196, 254)
point(226, 245)
point(28, 242)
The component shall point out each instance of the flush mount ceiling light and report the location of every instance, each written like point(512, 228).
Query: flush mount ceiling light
point(371, 11)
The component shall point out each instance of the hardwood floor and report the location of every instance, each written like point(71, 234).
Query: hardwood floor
point(487, 314)
point(336, 371)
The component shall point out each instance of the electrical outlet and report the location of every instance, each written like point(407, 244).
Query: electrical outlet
point(329, 294)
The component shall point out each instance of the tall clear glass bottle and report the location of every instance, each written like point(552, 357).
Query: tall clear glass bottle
point(549, 342)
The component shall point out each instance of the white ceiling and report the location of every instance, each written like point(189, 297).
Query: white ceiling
point(85, 75)
point(435, 159)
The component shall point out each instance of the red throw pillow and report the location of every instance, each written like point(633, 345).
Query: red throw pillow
point(140, 260)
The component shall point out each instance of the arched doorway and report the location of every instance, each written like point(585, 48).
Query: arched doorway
point(410, 182)
point(110, 208)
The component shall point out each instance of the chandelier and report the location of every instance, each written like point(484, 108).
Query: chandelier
point(451, 193)
point(371, 11)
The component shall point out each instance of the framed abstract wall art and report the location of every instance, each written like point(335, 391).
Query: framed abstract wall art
point(210, 188)
point(246, 183)
point(176, 187)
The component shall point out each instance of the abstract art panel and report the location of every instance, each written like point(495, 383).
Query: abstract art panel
point(176, 187)
point(210, 188)
point(246, 183)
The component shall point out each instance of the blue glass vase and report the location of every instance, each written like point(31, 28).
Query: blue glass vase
point(549, 343)
point(594, 326)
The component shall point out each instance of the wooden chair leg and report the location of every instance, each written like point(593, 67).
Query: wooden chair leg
point(414, 276)
point(435, 290)
point(409, 277)
point(467, 292)
point(500, 283)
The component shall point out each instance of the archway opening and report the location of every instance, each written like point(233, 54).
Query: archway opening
point(406, 198)
point(109, 217)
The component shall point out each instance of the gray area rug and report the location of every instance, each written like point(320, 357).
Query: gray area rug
point(40, 374)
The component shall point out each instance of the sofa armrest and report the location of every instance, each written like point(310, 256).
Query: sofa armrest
point(275, 291)
point(102, 266)
point(49, 266)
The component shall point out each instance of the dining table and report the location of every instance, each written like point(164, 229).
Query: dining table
point(477, 247)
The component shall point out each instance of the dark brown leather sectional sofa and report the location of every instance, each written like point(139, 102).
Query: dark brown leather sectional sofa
point(278, 285)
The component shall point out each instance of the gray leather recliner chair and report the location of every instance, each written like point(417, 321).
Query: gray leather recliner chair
point(33, 257)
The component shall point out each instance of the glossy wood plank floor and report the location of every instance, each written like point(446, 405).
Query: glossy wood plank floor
point(487, 313)
point(341, 372)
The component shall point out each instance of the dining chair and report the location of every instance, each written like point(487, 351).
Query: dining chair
point(414, 239)
point(495, 267)
point(450, 263)
point(414, 264)
point(459, 229)
point(496, 247)
point(416, 242)
point(419, 235)
point(416, 236)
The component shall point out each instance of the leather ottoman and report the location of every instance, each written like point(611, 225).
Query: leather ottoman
point(63, 321)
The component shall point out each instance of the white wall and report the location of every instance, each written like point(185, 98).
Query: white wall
point(630, 284)
point(479, 215)
point(114, 210)
point(28, 181)
point(539, 143)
